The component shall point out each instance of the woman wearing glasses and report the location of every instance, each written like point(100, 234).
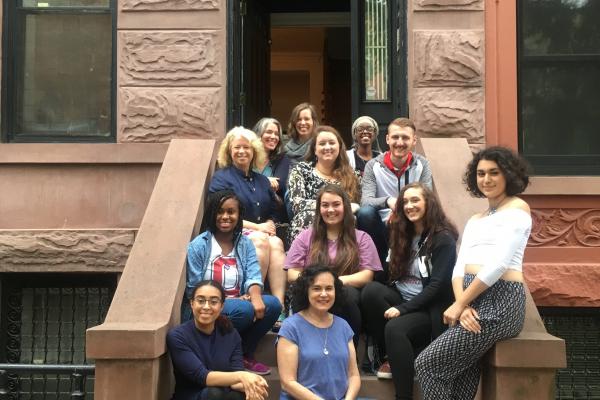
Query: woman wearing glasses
point(364, 134)
point(201, 371)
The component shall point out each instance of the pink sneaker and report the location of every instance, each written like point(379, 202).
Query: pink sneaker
point(251, 365)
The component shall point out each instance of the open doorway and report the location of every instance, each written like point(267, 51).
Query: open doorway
point(312, 64)
point(347, 57)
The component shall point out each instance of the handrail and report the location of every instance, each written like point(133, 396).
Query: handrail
point(129, 347)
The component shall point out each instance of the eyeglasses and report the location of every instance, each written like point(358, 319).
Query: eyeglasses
point(201, 301)
point(368, 129)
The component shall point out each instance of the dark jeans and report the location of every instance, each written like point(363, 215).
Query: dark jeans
point(221, 393)
point(368, 220)
point(241, 314)
point(401, 338)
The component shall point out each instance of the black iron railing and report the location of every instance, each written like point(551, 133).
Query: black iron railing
point(10, 374)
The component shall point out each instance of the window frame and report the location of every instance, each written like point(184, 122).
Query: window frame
point(549, 164)
point(9, 72)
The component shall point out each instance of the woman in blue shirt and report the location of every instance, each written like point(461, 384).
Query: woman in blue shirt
point(241, 152)
point(223, 254)
point(315, 352)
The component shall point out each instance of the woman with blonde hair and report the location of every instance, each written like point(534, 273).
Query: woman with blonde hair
point(239, 153)
point(326, 162)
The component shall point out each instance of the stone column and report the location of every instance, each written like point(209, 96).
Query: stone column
point(445, 68)
point(171, 63)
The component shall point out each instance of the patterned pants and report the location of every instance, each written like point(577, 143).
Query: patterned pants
point(448, 369)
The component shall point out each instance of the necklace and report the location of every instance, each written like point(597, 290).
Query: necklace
point(492, 210)
point(325, 351)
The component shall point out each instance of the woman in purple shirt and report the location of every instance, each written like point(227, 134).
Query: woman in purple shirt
point(332, 240)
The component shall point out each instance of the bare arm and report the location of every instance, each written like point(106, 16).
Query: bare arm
point(292, 274)
point(353, 374)
point(287, 359)
point(358, 279)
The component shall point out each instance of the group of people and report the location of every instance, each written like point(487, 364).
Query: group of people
point(369, 249)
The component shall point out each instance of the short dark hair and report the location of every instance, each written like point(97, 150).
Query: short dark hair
point(213, 203)
point(514, 168)
point(306, 278)
point(222, 323)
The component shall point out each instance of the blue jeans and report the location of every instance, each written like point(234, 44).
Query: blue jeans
point(241, 314)
point(369, 220)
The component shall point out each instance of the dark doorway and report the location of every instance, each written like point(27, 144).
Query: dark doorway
point(323, 52)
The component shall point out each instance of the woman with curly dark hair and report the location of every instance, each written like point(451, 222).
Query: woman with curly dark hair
point(403, 316)
point(315, 352)
point(487, 279)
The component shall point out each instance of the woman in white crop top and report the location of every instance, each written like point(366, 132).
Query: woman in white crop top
point(487, 279)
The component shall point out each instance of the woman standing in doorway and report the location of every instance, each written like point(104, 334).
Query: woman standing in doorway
point(301, 129)
point(487, 280)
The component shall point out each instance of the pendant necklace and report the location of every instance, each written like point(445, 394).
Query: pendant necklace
point(492, 210)
point(325, 351)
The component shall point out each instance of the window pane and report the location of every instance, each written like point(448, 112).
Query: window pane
point(560, 27)
point(376, 50)
point(559, 109)
point(64, 81)
point(65, 3)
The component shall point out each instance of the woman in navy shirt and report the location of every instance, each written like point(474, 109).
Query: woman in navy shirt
point(207, 352)
point(239, 153)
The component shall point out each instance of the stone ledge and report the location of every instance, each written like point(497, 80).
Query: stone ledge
point(564, 285)
point(64, 250)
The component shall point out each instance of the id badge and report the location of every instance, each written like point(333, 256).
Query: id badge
point(423, 267)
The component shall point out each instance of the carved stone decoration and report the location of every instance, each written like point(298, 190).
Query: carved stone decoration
point(450, 112)
point(449, 58)
point(160, 114)
point(65, 250)
point(565, 228)
point(186, 58)
point(164, 5)
point(443, 5)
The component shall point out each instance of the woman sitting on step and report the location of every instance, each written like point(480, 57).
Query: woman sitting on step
point(333, 240)
point(207, 352)
point(315, 353)
point(223, 254)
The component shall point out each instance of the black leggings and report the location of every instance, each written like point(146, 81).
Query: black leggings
point(350, 311)
point(220, 393)
point(401, 337)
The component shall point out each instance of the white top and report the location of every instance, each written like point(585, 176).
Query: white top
point(497, 242)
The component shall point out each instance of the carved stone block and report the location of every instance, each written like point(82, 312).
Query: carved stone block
point(564, 284)
point(449, 58)
point(450, 112)
point(166, 5)
point(181, 58)
point(160, 114)
point(565, 228)
point(64, 250)
point(443, 5)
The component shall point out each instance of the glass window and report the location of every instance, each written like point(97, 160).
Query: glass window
point(559, 85)
point(60, 79)
point(376, 51)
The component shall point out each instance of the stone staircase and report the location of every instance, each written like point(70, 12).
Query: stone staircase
point(371, 387)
